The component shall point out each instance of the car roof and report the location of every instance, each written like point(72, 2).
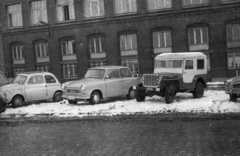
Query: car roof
point(34, 72)
point(108, 67)
point(180, 55)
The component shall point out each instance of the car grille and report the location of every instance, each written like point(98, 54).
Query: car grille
point(150, 80)
point(73, 91)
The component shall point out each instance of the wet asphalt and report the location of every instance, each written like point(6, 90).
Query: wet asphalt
point(157, 135)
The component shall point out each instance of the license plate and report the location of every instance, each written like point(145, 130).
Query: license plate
point(149, 89)
point(71, 98)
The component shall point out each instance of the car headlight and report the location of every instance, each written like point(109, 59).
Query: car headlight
point(63, 86)
point(83, 87)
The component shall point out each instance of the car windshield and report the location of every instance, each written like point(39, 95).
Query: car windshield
point(95, 73)
point(20, 79)
point(168, 64)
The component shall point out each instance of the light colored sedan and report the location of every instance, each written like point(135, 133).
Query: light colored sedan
point(31, 86)
point(100, 83)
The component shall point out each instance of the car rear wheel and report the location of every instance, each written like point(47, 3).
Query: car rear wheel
point(95, 98)
point(17, 101)
point(233, 97)
point(169, 94)
point(131, 94)
point(199, 90)
point(57, 97)
point(140, 96)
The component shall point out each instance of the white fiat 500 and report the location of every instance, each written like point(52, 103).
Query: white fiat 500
point(101, 82)
point(31, 86)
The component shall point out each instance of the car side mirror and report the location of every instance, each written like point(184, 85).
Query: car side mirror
point(107, 77)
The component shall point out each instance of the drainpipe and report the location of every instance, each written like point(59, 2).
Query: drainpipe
point(1, 51)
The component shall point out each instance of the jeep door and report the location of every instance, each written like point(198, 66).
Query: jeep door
point(188, 71)
point(114, 83)
point(35, 88)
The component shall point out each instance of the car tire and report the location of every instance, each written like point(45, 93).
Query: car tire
point(57, 97)
point(169, 94)
point(199, 90)
point(233, 97)
point(95, 98)
point(131, 94)
point(140, 96)
point(72, 102)
point(17, 101)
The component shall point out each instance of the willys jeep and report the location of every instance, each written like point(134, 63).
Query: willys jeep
point(173, 73)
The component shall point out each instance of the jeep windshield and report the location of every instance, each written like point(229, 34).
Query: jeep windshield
point(20, 79)
point(95, 73)
point(168, 64)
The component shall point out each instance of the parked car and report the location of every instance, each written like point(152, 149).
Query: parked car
point(3, 79)
point(31, 86)
point(232, 87)
point(175, 72)
point(100, 83)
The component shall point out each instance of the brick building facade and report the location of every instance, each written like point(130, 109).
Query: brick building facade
point(66, 37)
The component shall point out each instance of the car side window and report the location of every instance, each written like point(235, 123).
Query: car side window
point(113, 74)
point(36, 80)
point(189, 64)
point(124, 72)
point(50, 79)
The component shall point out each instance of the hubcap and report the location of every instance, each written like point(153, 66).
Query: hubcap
point(132, 94)
point(96, 98)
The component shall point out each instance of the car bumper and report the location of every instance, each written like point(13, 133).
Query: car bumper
point(75, 97)
point(147, 89)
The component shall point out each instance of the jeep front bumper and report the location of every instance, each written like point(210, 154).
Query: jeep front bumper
point(146, 89)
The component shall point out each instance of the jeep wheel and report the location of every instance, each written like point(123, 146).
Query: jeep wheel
point(95, 98)
point(169, 94)
point(17, 101)
point(233, 97)
point(131, 94)
point(140, 96)
point(199, 90)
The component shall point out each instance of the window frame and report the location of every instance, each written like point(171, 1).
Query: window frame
point(91, 12)
point(95, 43)
point(58, 6)
point(131, 61)
point(73, 75)
point(10, 20)
point(43, 54)
point(126, 39)
point(231, 43)
point(195, 5)
point(73, 48)
point(17, 53)
point(43, 67)
point(125, 13)
point(45, 20)
point(158, 9)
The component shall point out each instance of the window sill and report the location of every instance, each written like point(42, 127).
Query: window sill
point(196, 6)
point(94, 18)
point(15, 28)
point(160, 10)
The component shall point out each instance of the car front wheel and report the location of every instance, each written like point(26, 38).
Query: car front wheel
point(199, 90)
point(57, 97)
point(95, 98)
point(233, 97)
point(17, 101)
point(131, 94)
point(169, 94)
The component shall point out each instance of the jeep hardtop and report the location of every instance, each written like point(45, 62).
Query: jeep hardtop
point(173, 73)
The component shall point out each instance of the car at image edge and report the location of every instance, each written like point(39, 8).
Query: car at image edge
point(100, 83)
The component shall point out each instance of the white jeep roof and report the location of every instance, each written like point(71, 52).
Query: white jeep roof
point(180, 55)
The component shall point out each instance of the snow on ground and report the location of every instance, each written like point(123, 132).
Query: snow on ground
point(214, 101)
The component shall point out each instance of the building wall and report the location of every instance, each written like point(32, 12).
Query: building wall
point(142, 23)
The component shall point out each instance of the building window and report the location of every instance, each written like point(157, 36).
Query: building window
point(192, 3)
point(162, 41)
point(128, 42)
point(132, 64)
point(233, 35)
point(17, 52)
point(18, 70)
point(125, 6)
point(198, 38)
point(44, 68)
point(68, 47)
point(39, 11)
point(41, 50)
point(94, 8)
point(95, 45)
point(229, 1)
point(70, 71)
point(97, 64)
point(154, 5)
point(14, 15)
point(65, 10)
point(233, 60)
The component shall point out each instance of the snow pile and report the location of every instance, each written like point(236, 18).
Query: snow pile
point(213, 102)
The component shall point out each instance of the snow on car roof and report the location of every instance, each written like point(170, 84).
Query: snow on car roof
point(180, 55)
point(34, 72)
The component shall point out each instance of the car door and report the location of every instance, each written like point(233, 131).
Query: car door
point(35, 88)
point(114, 84)
point(128, 79)
point(52, 85)
point(188, 72)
